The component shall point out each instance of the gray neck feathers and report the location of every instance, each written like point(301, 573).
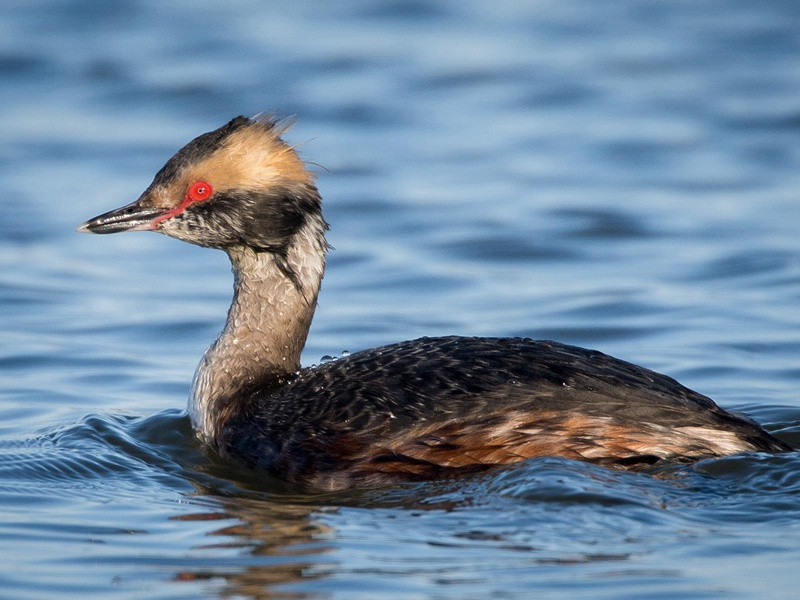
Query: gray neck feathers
point(267, 324)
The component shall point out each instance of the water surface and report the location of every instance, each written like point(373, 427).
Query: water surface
point(619, 175)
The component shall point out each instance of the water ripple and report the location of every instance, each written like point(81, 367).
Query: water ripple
point(622, 175)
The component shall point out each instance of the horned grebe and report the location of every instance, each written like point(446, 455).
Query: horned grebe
point(419, 409)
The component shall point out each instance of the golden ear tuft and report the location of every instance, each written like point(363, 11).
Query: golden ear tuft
point(254, 157)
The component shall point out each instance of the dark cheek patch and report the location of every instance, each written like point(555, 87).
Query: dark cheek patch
point(263, 221)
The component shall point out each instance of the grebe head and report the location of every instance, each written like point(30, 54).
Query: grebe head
point(238, 186)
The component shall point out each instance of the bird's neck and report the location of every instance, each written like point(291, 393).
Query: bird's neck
point(273, 303)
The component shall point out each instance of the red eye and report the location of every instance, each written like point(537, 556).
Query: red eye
point(200, 190)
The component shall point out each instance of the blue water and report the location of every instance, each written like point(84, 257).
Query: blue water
point(622, 175)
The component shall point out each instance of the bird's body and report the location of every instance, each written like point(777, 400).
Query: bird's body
point(434, 406)
point(414, 410)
